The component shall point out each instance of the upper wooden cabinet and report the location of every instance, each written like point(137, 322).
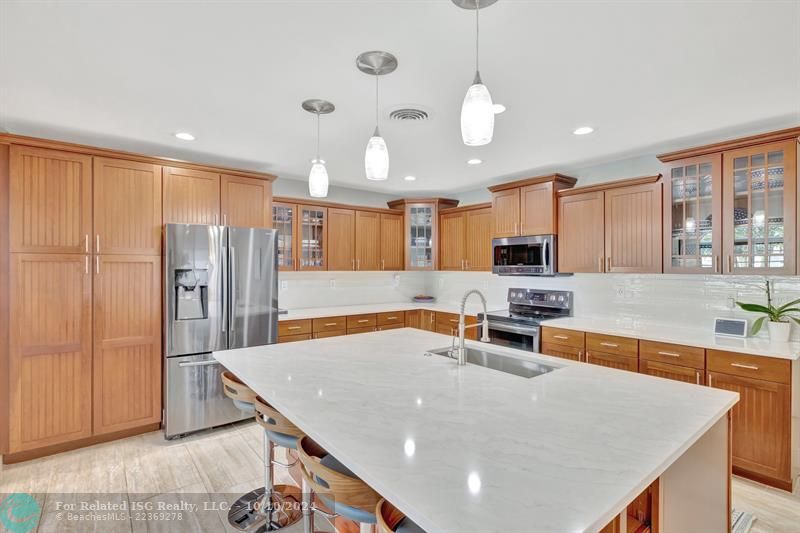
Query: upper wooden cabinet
point(529, 206)
point(191, 196)
point(422, 230)
point(246, 202)
point(342, 232)
point(368, 240)
point(50, 200)
point(392, 242)
point(731, 207)
point(614, 227)
point(127, 207)
point(465, 240)
point(284, 220)
point(50, 349)
point(302, 236)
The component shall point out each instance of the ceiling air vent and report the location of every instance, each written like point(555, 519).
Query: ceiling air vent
point(409, 113)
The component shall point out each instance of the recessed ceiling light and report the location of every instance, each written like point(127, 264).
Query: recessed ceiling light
point(474, 161)
point(498, 108)
point(184, 136)
point(410, 178)
point(583, 130)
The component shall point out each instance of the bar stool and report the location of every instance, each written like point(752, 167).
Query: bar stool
point(336, 486)
point(252, 511)
point(391, 520)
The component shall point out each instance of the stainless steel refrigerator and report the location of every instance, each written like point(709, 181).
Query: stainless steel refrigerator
point(220, 292)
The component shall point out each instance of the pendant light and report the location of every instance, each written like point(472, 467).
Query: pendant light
point(318, 177)
point(376, 157)
point(477, 113)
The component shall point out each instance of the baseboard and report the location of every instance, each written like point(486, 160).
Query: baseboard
point(777, 483)
point(27, 455)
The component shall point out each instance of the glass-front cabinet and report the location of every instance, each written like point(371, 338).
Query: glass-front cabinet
point(759, 205)
point(732, 211)
point(422, 230)
point(693, 208)
point(302, 235)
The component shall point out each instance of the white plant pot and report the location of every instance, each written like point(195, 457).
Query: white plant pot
point(779, 331)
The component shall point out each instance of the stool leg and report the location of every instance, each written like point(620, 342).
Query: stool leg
point(366, 528)
point(308, 512)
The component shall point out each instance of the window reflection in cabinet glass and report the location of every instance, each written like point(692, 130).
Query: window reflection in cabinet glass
point(312, 236)
point(421, 235)
point(283, 221)
point(692, 223)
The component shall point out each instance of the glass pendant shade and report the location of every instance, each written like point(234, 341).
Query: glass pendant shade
point(318, 179)
point(477, 116)
point(376, 158)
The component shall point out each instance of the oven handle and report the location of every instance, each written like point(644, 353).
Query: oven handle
point(532, 331)
point(546, 254)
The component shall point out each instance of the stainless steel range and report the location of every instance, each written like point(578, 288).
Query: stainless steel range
point(519, 325)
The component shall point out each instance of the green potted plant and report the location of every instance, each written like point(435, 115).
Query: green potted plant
point(779, 323)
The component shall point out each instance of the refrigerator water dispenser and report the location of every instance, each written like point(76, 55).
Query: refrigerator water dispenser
point(191, 294)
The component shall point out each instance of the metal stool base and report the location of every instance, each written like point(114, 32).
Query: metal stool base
point(245, 513)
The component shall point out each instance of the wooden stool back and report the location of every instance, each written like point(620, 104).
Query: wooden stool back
point(341, 488)
point(388, 517)
point(275, 421)
point(235, 389)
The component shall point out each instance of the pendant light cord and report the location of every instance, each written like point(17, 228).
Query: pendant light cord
point(317, 137)
point(477, 34)
point(376, 102)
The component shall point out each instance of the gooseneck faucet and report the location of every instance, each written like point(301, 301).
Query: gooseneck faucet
point(462, 353)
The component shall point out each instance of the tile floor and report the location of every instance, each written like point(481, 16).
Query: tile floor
point(227, 462)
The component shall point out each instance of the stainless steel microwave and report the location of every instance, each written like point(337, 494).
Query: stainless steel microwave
point(534, 255)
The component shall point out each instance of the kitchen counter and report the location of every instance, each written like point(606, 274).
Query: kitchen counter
point(469, 448)
point(473, 308)
point(702, 338)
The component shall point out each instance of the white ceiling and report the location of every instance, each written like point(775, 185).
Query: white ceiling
point(129, 74)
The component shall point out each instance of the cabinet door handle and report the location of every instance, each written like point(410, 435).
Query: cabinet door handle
point(562, 337)
point(86, 243)
point(709, 380)
point(86, 265)
point(669, 354)
point(354, 264)
point(697, 377)
point(587, 356)
point(97, 243)
point(358, 264)
point(225, 220)
point(580, 355)
point(466, 263)
point(600, 264)
point(609, 344)
point(97, 263)
point(730, 264)
point(716, 264)
point(516, 232)
point(383, 264)
point(608, 264)
point(748, 367)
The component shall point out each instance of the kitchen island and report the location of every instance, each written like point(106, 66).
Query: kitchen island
point(469, 448)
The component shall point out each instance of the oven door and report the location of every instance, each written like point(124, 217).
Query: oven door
point(524, 256)
point(512, 336)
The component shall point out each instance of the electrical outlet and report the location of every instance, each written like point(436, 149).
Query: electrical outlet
point(620, 291)
point(731, 302)
point(397, 280)
point(333, 283)
point(284, 285)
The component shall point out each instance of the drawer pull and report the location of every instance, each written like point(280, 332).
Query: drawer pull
point(562, 337)
point(295, 327)
point(329, 324)
point(453, 320)
point(391, 318)
point(609, 344)
point(748, 367)
point(697, 377)
point(670, 354)
point(363, 320)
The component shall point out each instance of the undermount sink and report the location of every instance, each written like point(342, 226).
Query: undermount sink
point(501, 362)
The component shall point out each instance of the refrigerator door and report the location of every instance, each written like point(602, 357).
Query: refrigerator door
point(253, 283)
point(194, 270)
point(194, 399)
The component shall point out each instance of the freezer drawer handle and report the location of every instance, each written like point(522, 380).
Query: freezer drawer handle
point(199, 363)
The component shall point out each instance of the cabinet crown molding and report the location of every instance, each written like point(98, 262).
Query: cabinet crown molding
point(441, 203)
point(464, 208)
point(642, 180)
point(560, 178)
point(333, 205)
point(742, 142)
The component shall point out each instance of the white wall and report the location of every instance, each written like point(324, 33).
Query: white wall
point(296, 188)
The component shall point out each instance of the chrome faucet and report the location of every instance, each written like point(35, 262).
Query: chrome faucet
point(462, 354)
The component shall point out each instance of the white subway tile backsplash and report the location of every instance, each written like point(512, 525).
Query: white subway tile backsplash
point(324, 289)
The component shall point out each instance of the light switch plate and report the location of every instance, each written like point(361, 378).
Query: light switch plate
point(333, 283)
point(284, 285)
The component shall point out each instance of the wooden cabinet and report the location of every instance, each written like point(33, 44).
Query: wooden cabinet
point(581, 234)
point(611, 228)
point(392, 242)
point(50, 348)
point(50, 201)
point(414, 319)
point(527, 207)
point(447, 324)
point(761, 421)
point(465, 241)
point(302, 236)
point(368, 240)
point(564, 343)
point(633, 228)
point(612, 351)
point(246, 202)
point(294, 330)
point(620, 362)
point(127, 207)
point(191, 196)
point(427, 320)
point(341, 233)
point(392, 318)
point(673, 372)
point(127, 342)
point(284, 221)
point(421, 240)
point(565, 352)
point(673, 354)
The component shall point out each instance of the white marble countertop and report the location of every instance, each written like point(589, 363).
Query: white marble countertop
point(472, 308)
point(702, 338)
point(473, 449)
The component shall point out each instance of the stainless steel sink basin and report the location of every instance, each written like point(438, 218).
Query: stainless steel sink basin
point(501, 362)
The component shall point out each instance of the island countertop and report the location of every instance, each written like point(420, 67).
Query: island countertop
point(469, 448)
